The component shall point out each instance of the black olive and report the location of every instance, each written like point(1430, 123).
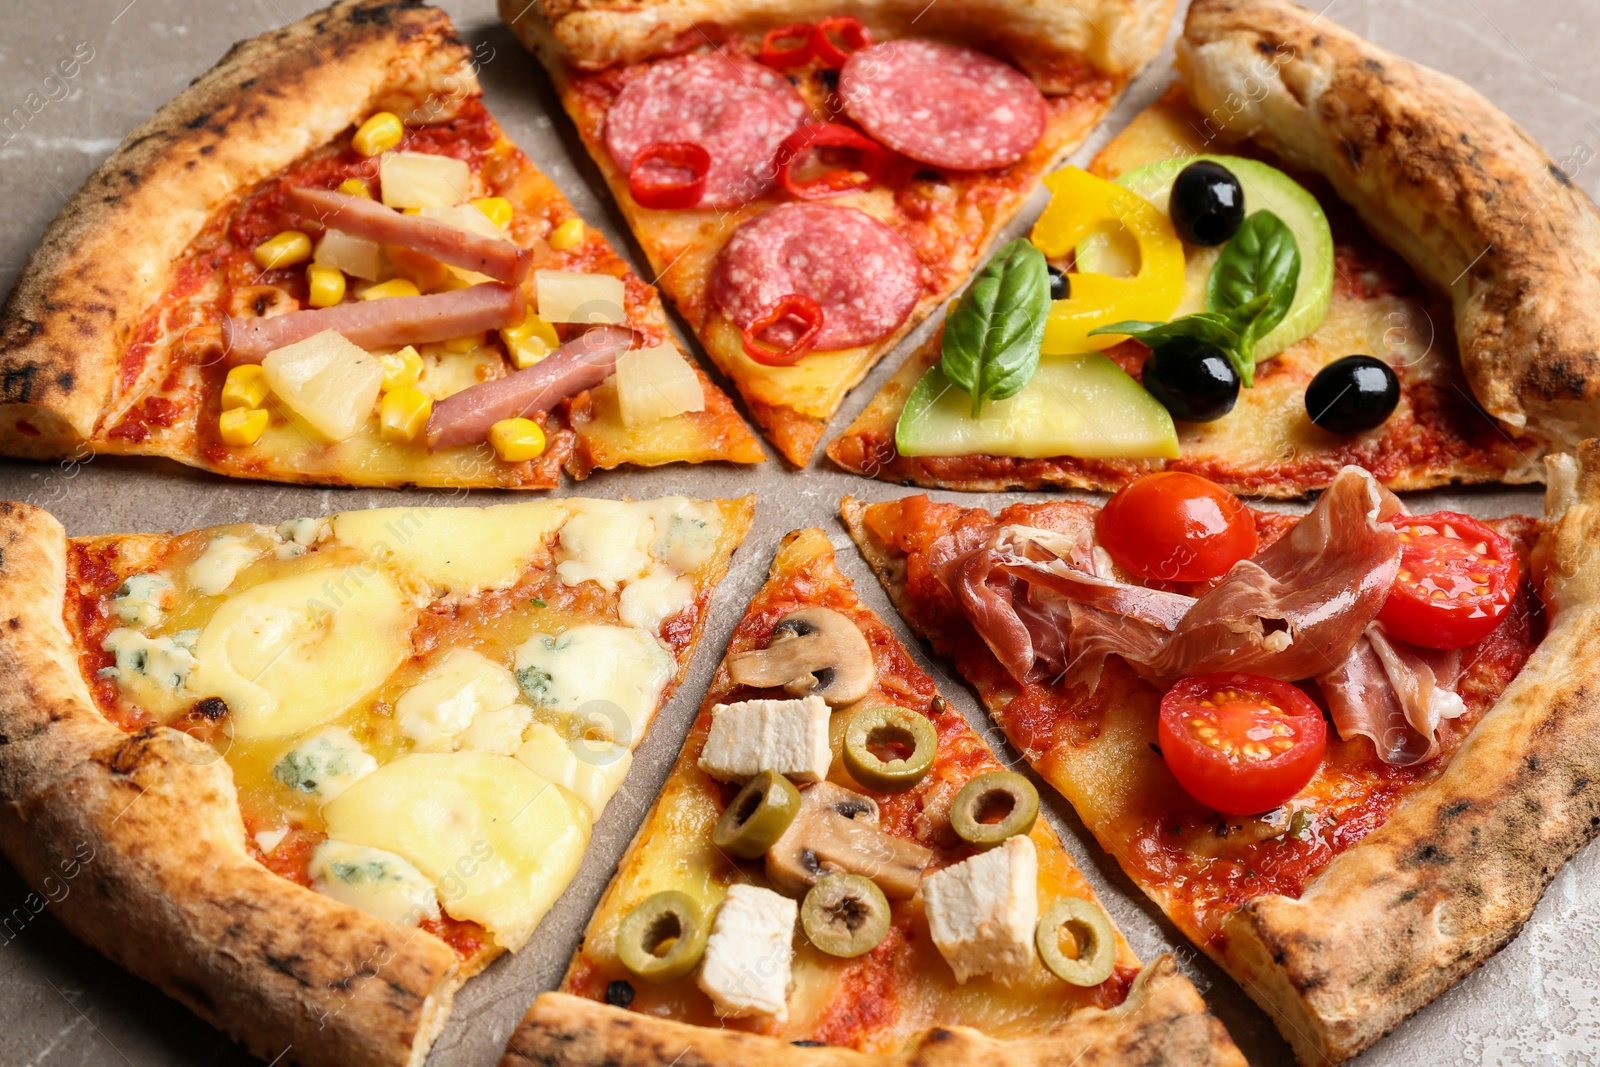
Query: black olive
point(806, 1042)
point(619, 994)
point(830, 79)
point(1352, 394)
point(1207, 203)
point(1060, 284)
point(1193, 380)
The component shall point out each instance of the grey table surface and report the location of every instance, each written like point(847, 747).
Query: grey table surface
point(1538, 1001)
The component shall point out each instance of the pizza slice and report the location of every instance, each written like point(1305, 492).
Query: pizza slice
point(827, 781)
point(1426, 334)
point(309, 778)
point(325, 262)
point(810, 182)
point(1344, 752)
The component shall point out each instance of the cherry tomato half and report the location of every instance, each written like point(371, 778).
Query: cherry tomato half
point(1240, 743)
point(1176, 527)
point(1457, 579)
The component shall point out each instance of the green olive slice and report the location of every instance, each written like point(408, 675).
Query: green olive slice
point(1090, 931)
point(993, 807)
point(898, 730)
point(758, 816)
point(663, 937)
point(845, 915)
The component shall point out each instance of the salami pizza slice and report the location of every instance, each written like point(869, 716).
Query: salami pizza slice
point(325, 262)
point(1174, 683)
point(827, 779)
point(312, 777)
point(1408, 191)
point(809, 183)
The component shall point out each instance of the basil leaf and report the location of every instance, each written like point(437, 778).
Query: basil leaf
point(1255, 280)
point(1204, 326)
point(991, 342)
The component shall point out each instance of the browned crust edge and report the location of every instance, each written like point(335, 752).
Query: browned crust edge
point(144, 829)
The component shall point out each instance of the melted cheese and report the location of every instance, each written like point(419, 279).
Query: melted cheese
point(606, 542)
point(458, 689)
point(498, 840)
point(291, 654)
point(456, 550)
point(593, 770)
point(649, 601)
point(214, 570)
point(608, 677)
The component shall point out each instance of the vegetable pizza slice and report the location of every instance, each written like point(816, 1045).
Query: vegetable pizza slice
point(1309, 253)
point(325, 262)
point(326, 771)
point(837, 859)
point(1345, 752)
point(809, 183)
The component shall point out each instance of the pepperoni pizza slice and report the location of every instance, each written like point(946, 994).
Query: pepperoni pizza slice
point(1430, 337)
point(837, 859)
point(1345, 752)
point(809, 183)
point(325, 262)
point(309, 778)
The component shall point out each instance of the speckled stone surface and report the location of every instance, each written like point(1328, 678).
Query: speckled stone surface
point(60, 1003)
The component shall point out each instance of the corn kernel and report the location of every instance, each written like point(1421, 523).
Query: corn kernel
point(530, 341)
point(392, 287)
point(245, 387)
point(400, 369)
point(497, 208)
point(355, 187)
point(516, 440)
point(378, 134)
point(569, 234)
point(244, 426)
point(284, 250)
point(411, 211)
point(403, 414)
point(327, 285)
point(466, 344)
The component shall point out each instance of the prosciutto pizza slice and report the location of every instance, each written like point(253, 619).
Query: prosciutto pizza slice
point(837, 859)
point(809, 182)
point(1344, 752)
point(309, 778)
point(1437, 334)
point(325, 262)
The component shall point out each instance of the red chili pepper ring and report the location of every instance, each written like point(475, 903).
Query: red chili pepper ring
point(838, 180)
point(660, 192)
point(790, 306)
point(773, 52)
point(851, 30)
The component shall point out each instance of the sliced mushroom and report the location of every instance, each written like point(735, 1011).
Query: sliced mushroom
point(814, 651)
point(837, 830)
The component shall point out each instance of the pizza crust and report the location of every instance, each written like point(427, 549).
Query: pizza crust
point(145, 831)
point(1162, 1022)
point(110, 253)
point(1443, 177)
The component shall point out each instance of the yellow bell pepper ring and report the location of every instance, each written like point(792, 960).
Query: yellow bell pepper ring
point(1079, 202)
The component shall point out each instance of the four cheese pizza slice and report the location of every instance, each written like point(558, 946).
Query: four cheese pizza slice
point(1345, 752)
point(837, 859)
point(1435, 336)
point(809, 183)
point(325, 262)
point(325, 771)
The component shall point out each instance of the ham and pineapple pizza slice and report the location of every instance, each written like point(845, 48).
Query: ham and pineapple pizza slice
point(325, 262)
point(1410, 199)
point(1345, 752)
point(312, 777)
point(809, 183)
point(837, 859)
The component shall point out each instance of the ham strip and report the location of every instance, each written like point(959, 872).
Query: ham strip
point(358, 216)
point(584, 362)
point(385, 323)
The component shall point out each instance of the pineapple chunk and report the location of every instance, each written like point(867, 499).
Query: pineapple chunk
point(355, 256)
point(328, 382)
point(419, 180)
point(568, 296)
point(656, 383)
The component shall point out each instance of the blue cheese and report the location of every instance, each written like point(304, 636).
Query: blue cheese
point(141, 600)
point(324, 764)
point(610, 677)
point(686, 532)
point(457, 690)
point(748, 960)
point(214, 570)
point(298, 535)
point(152, 672)
point(378, 882)
point(982, 911)
point(787, 736)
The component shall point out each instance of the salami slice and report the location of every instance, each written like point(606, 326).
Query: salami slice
point(738, 111)
point(865, 277)
point(951, 107)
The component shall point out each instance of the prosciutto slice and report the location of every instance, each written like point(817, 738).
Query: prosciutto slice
point(584, 362)
point(358, 216)
point(1394, 693)
point(395, 320)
